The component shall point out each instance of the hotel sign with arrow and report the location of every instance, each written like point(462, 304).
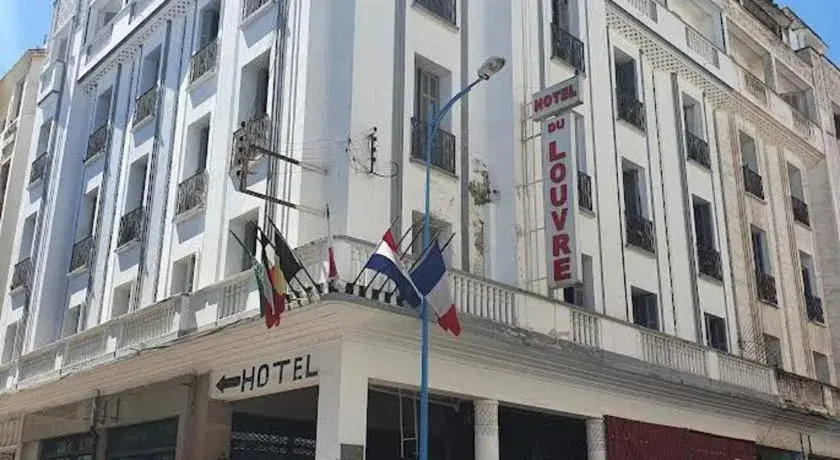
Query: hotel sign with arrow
point(262, 378)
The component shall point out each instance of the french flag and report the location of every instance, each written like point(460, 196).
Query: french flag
point(386, 260)
point(431, 280)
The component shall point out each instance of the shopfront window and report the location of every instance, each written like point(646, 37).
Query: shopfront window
point(147, 441)
point(76, 447)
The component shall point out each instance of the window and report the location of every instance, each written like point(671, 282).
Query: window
point(439, 231)
point(692, 116)
point(123, 299)
point(427, 93)
point(209, 30)
point(102, 111)
point(4, 184)
point(645, 309)
point(560, 13)
point(761, 256)
point(10, 343)
point(807, 265)
point(27, 238)
point(797, 189)
point(798, 100)
point(821, 369)
point(773, 351)
point(149, 72)
point(44, 136)
point(626, 81)
point(75, 447)
point(836, 123)
point(198, 144)
point(183, 275)
point(580, 143)
point(716, 332)
point(748, 151)
point(72, 319)
point(582, 293)
point(632, 177)
point(243, 231)
point(17, 100)
point(147, 441)
point(254, 89)
point(87, 215)
point(704, 229)
point(136, 185)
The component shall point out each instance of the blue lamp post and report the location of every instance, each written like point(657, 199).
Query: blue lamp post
point(490, 67)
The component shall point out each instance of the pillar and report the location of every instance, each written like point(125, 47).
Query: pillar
point(486, 429)
point(342, 412)
point(596, 439)
point(205, 425)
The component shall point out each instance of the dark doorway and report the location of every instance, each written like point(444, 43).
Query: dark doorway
point(526, 435)
point(392, 426)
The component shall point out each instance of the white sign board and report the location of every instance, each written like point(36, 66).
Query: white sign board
point(556, 99)
point(265, 377)
point(559, 192)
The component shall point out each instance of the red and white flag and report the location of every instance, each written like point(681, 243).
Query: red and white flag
point(329, 270)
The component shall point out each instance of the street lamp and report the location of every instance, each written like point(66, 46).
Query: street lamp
point(489, 68)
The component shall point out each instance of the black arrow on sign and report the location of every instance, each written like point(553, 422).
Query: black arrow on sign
point(228, 382)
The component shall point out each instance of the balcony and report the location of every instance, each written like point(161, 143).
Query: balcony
point(805, 393)
point(192, 193)
point(763, 17)
point(639, 231)
point(703, 47)
point(249, 7)
point(98, 141)
point(82, 254)
point(766, 287)
point(630, 108)
point(752, 182)
point(584, 191)
point(814, 309)
point(51, 79)
point(22, 274)
point(698, 149)
point(11, 129)
point(443, 153)
point(567, 47)
point(802, 124)
point(204, 61)
point(251, 140)
point(444, 9)
point(800, 210)
point(754, 86)
point(131, 227)
point(39, 168)
point(708, 260)
point(145, 107)
point(100, 40)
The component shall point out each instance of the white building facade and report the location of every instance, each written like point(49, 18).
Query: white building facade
point(706, 226)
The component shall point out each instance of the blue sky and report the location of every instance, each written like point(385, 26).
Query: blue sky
point(24, 23)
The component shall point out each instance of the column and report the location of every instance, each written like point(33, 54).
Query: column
point(342, 413)
point(596, 439)
point(205, 425)
point(486, 429)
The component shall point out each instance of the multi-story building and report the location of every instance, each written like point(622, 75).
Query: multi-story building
point(19, 173)
point(706, 226)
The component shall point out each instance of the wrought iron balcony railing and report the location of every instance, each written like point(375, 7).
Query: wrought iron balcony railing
point(752, 182)
point(766, 287)
point(584, 190)
point(443, 154)
point(249, 7)
point(146, 105)
point(131, 227)
point(698, 149)
point(98, 141)
point(708, 260)
point(814, 308)
point(82, 253)
point(567, 47)
point(630, 108)
point(639, 231)
point(192, 192)
point(39, 168)
point(251, 139)
point(444, 9)
point(204, 60)
point(800, 210)
point(22, 274)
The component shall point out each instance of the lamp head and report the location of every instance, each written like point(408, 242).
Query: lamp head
point(490, 67)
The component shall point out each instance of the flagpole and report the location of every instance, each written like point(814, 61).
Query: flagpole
point(488, 68)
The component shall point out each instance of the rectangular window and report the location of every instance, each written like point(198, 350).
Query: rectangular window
point(748, 151)
point(580, 143)
point(645, 309)
point(209, 24)
point(703, 223)
point(631, 178)
point(27, 238)
point(821, 369)
point(123, 299)
point(773, 351)
point(75, 447)
point(10, 343)
point(625, 74)
point(149, 72)
point(716, 332)
point(761, 256)
point(87, 215)
point(692, 116)
point(560, 13)
point(427, 93)
point(4, 184)
point(70, 324)
point(17, 101)
point(244, 233)
point(136, 184)
point(183, 275)
point(44, 136)
point(582, 294)
point(439, 231)
point(797, 188)
point(807, 265)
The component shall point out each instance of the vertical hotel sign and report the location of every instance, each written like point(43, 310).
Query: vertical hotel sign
point(552, 107)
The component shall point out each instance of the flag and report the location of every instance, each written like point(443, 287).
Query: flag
point(430, 278)
point(263, 283)
point(329, 270)
point(386, 260)
point(276, 280)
